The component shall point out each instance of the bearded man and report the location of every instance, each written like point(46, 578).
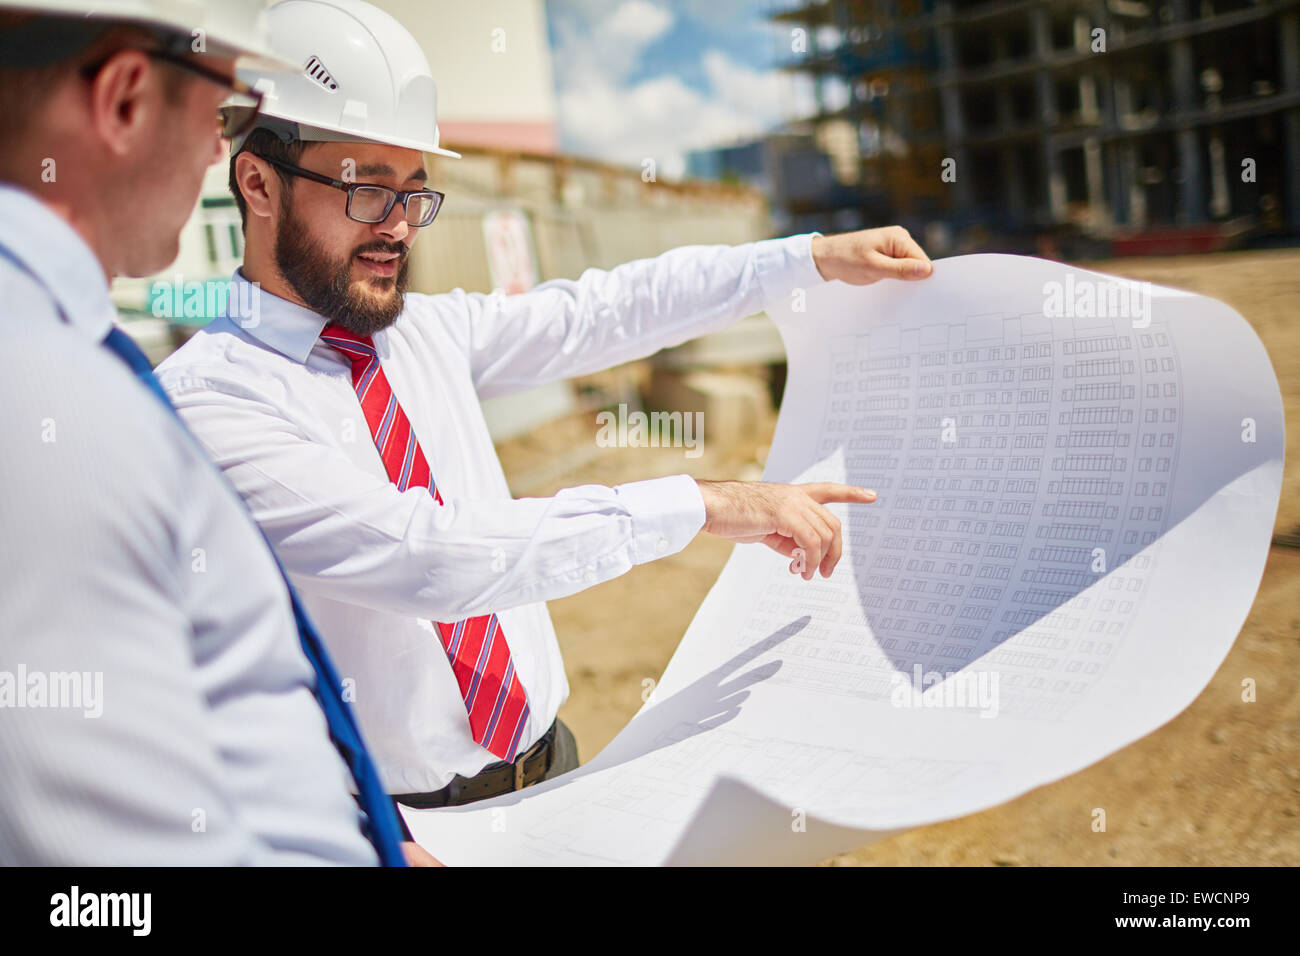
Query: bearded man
point(346, 411)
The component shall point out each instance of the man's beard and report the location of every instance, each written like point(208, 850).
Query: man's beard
point(326, 285)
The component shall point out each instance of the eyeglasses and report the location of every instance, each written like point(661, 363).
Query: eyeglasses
point(235, 116)
point(371, 203)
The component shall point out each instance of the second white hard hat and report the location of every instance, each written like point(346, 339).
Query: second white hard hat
point(363, 78)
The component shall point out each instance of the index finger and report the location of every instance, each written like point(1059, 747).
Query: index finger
point(831, 491)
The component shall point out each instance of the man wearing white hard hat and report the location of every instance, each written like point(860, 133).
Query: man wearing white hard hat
point(348, 417)
point(164, 700)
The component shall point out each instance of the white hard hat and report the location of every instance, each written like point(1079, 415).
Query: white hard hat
point(363, 78)
point(233, 28)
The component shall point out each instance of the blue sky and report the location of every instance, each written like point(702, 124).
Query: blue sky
point(639, 79)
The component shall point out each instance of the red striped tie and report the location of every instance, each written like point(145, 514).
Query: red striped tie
point(477, 649)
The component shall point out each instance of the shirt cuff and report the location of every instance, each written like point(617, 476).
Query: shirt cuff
point(783, 265)
point(667, 513)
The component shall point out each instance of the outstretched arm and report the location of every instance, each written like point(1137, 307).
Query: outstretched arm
point(568, 327)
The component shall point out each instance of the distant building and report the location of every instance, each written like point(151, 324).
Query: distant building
point(1116, 118)
point(807, 176)
point(492, 63)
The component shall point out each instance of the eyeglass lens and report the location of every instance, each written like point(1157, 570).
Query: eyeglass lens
point(369, 204)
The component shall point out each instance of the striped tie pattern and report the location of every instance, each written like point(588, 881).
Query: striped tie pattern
point(480, 658)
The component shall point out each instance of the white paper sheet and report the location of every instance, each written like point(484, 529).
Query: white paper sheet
point(1075, 506)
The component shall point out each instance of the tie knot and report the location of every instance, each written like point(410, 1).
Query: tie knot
point(357, 348)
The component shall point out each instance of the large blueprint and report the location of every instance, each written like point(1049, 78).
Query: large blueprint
point(1077, 477)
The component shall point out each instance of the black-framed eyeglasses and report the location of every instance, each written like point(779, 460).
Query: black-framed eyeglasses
point(370, 202)
point(235, 116)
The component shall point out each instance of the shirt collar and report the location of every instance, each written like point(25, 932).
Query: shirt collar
point(59, 259)
point(289, 328)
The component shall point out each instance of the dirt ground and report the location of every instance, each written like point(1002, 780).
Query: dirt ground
point(1218, 785)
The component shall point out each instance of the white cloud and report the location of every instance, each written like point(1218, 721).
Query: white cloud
point(595, 42)
point(635, 21)
point(769, 96)
point(662, 118)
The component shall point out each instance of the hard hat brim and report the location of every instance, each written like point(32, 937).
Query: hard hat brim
point(329, 133)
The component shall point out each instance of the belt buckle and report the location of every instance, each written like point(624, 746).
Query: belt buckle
point(521, 762)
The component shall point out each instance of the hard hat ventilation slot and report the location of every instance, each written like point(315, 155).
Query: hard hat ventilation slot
point(315, 70)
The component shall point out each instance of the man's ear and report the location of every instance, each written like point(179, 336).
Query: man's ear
point(124, 101)
point(258, 184)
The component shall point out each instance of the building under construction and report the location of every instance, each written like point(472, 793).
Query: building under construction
point(1168, 123)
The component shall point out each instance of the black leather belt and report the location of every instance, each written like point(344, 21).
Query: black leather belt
point(527, 768)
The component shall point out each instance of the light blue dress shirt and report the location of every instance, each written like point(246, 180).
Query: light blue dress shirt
point(155, 703)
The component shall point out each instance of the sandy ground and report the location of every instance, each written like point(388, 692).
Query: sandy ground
point(1218, 785)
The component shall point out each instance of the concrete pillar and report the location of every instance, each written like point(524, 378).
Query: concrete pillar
point(1182, 78)
point(1016, 199)
point(954, 123)
point(1122, 93)
point(1137, 190)
point(1220, 200)
point(1289, 47)
point(1041, 30)
point(1095, 180)
point(1120, 183)
point(1009, 160)
point(1090, 112)
point(1108, 83)
point(1191, 191)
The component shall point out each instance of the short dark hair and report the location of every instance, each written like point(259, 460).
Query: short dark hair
point(268, 145)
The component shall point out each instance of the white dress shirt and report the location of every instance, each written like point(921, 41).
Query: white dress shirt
point(276, 409)
point(127, 560)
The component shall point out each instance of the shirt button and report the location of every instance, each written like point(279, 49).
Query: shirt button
point(661, 545)
point(590, 576)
